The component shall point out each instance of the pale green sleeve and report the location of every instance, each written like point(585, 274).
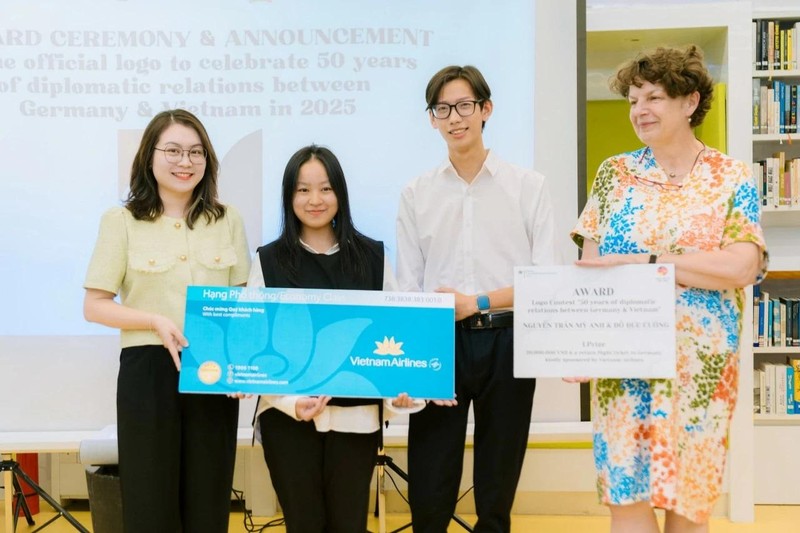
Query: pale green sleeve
point(109, 260)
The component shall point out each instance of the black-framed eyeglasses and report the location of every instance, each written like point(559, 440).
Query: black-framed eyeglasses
point(174, 154)
point(659, 185)
point(464, 108)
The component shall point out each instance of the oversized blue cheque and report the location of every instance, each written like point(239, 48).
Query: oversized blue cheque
point(359, 344)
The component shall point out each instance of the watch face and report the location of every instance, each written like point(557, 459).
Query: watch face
point(483, 302)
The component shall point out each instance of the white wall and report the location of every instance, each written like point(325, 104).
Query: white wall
point(69, 382)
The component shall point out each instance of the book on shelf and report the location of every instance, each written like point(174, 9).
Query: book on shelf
point(786, 320)
point(756, 299)
point(769, 322)
point(757, 391)
point(795, 321)
point(756, 105)
point(780, 389)
point(768, 392)
point(779, 321)
point(761, 321)
point(794, 363)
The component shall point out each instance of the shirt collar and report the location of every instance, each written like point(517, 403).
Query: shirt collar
point(490, 165)
point(332, 250)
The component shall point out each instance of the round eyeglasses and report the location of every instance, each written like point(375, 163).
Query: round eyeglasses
point(174, 154)
point(464, 108)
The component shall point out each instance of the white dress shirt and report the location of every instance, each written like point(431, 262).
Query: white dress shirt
point(470, 236)
point(355, 419)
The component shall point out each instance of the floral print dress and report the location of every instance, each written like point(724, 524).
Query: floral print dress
point(665, 440)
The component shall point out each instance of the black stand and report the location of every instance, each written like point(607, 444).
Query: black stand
point(384, 462)
point(17, 473)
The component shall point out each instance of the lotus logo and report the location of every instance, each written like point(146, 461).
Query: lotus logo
point(436, 364)
point(388, 347)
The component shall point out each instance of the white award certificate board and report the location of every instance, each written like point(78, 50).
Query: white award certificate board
point(610, 322)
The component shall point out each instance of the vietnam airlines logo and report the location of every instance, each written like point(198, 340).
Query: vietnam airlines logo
point(388, 347)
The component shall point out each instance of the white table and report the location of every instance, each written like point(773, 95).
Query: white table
point(33, 442)
point(257, 480)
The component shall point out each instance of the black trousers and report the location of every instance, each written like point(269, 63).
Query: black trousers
point(322, 479)
point(502, 407)
point(176, 451)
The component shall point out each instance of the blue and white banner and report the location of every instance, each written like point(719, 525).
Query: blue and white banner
point(359, 344)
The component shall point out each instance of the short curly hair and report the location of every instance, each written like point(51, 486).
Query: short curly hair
point(680, 71)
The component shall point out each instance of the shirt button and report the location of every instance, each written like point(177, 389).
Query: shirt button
point(183, 258)
point(217, 259)
point(177, 225)
point(151, 262)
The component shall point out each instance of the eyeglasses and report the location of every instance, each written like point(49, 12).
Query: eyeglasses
point(660, 185)
point(174, 154)
point(464, 108)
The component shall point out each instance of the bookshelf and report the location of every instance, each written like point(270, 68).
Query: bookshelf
point(775, 464)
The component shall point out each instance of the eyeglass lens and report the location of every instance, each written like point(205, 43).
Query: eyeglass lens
point(464, 109)
point(174, 154)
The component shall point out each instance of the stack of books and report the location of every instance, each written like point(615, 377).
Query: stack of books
point(776, 388)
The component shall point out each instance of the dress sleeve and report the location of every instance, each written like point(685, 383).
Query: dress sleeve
point(109, 260)
point(588, 225)
point(744, 217)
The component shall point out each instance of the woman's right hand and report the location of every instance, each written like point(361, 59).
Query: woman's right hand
point(307, 407)
point(171, 337)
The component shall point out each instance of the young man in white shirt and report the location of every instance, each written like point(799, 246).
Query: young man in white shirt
point(462, 228)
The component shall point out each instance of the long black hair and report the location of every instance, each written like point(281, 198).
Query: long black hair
point(352, 245)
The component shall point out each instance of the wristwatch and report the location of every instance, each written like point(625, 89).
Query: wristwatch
point(483, 302)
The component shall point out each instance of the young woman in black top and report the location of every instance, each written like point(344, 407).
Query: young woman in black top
point(321, 451)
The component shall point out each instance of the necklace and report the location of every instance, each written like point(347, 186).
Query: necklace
point(674, 175)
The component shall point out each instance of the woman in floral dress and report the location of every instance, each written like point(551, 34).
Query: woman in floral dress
point(662, 442)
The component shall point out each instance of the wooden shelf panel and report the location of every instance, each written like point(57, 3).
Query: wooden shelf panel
point(776, 420)
point(784, 274)
point(793, 73)
point(788, 138)
point(776, 349)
